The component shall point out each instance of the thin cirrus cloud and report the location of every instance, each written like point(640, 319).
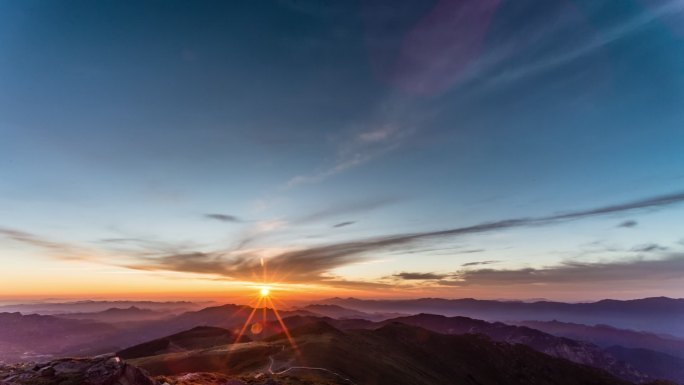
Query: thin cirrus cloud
point(628, 224)
point(448, 46)
point(267, 227)
point(435, 52)
point(343, 224)
point(479, 263)
point(591, 44)
point(649, 247)
point(457, 42)
point(224, 218)
point(34, 240)
point(356, 207)
point(408, 276)
point(315, 263)
point(61, 250)
point(356, 151)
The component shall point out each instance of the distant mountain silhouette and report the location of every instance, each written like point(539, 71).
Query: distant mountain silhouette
point(659, 314)
point(605, 335)
point(51, 308)
point(49, 336)
point(335, 311)
point(339, 312)
point(34, 337)
point(115, 314)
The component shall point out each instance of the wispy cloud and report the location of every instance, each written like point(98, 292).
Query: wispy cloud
point(435, 51)
point(407, 276)
point(33, 240)
point(61, 250)
point(456, 43)
point(314, 264)
point(568, 272)
point(496, 63)
point(347, 208)
point(628, 224)
point(343, 224)
point(359, 149)
point(479, 263)
point(300, 266)
point(224, 217)
point(576, 272)
point(649, 247)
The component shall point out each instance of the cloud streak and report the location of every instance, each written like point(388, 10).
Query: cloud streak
point(629, 224)
point(576, 272)
point(359, 149)
point(62, 250)
point(224, 218)
point(479, 263)
point(314, 264)
point(343, 224)
point(406, 276)
point(346, 208)
point(33, 240)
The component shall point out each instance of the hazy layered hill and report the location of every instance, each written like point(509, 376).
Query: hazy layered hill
point(130, 314)
point(36, 337)
point(31, 337)
point(605, 335)
point(49, 308)
point(659, 365)
point(339, 312)
point(659, 315)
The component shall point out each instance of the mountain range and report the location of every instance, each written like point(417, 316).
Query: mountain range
point(658, 315)
point(395, 354)
point(204, 340)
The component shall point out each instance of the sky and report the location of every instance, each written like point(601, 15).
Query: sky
point(375, 149)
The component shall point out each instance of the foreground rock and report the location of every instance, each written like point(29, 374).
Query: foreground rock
point(102, 370)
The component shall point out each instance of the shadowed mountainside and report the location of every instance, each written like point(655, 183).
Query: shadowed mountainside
point(575, 351)
point(200, 337)
point(659, 365)
point(395, 354)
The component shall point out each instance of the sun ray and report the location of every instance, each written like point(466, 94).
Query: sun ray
point(282, 324)
point(249, 319)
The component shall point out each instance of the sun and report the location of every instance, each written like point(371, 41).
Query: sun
point(265, 291)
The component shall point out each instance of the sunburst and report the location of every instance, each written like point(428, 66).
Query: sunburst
point(264, 300)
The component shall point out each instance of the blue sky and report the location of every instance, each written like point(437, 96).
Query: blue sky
point(165, 141)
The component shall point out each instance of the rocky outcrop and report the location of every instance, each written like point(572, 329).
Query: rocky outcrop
point(101, 370)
